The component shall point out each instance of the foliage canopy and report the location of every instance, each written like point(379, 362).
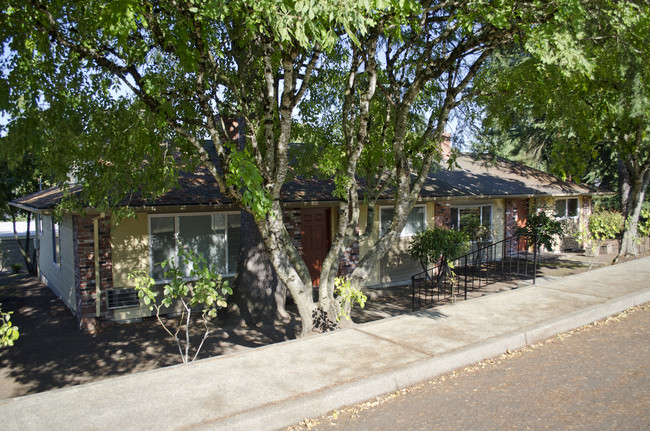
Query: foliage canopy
point(129, 93)
point(576, 93)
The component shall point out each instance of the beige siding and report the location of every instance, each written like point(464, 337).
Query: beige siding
point(373, 278)
point(59, 277)
point(499, 219)
point(130, 251)
point(396, 266)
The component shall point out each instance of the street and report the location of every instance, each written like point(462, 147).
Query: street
point(592, 378)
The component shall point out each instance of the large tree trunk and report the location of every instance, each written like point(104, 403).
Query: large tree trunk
point(258, 295)
point(632, 188)
point(289, 266)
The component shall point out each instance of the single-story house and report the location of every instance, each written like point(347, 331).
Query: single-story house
point(85, 260)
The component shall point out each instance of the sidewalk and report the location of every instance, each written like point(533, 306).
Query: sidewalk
point(281, 384)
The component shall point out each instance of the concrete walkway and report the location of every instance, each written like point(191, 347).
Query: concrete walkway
point(279, 385)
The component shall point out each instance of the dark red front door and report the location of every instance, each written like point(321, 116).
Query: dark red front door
point(315, 239)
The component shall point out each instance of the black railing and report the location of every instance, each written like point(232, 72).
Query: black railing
point(507, 260)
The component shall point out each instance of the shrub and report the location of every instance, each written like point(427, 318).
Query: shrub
point(346, 296)
point(543, 228)
point(16, 267)
point(8, 332)
point(208, 290)
point(479, 233)
point(605, 225)
point(435, 244)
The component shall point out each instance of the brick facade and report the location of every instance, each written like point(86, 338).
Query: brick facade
point(85, 282)
point(516, 216)
point(349, 260)
point(292, 223)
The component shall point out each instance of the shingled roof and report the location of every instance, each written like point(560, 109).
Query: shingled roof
point(475, 178)
point(499, 178)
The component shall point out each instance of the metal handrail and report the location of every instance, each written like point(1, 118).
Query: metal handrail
point(436, 280)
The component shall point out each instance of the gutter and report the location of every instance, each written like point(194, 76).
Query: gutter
point(28, 208)
point(98, 289)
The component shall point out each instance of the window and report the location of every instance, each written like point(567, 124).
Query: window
point(215, 236)
point(56, 243)
point(415, 222)
point(566, 208)
point(465, 216)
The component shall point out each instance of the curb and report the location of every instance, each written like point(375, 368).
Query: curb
point(292, 411)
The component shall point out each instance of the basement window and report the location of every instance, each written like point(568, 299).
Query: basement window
point(122, 298)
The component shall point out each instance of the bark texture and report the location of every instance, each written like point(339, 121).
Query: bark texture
point(259, 295)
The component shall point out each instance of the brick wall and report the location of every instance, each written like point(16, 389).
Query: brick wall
point(292, 223)
point(85, 282)
point(349, 260)
point(516, 216)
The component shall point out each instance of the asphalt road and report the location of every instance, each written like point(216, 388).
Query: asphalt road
point(593, 378)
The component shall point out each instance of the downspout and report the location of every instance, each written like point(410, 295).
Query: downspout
point(98, 289)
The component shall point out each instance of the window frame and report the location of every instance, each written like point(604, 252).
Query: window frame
point(55, 227)
point(176, 216)
point(465, 206)
point(566, 215)
point(401, 234)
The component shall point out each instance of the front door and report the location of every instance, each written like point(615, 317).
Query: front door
point(315, 239)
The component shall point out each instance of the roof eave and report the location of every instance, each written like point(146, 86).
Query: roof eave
point(30, 208)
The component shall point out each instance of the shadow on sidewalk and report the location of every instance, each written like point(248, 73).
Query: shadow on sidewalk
point(52, 353)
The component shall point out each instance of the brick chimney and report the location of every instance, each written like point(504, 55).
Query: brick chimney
point(445, 146)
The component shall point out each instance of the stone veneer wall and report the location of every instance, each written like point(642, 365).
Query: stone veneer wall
point(442, 214)
point(84, 241)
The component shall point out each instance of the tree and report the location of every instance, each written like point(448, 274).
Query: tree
point(127, 92)
point(206, 295)
point(22, 179)
point(582, 80)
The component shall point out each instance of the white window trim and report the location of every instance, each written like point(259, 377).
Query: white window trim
point(465, 206)
point(176, 216)
point(566, 208)
point(56, 262)
point(401, 234)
